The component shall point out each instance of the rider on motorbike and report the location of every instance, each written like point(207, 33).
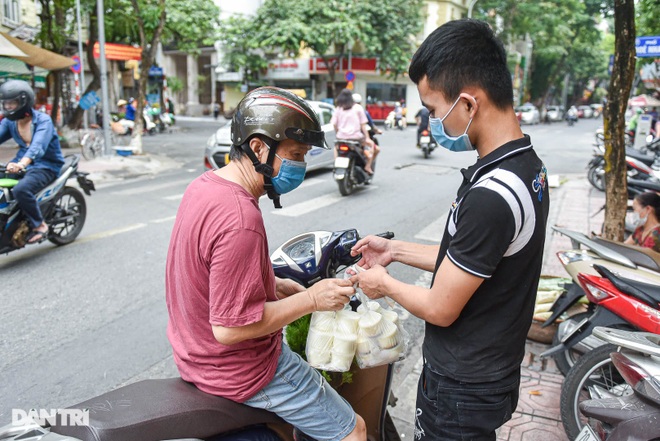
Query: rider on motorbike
point(422, 118)
point(226, 307)
point(39, 154)
point(373, 130)
point(350, 123)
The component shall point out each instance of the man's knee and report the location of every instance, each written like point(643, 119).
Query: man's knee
point(359, 433)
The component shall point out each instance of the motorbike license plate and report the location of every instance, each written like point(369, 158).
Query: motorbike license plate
point(425, 139)
point(587, 434)
point(342, 162)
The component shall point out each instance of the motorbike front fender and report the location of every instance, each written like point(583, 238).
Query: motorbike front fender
point(564, 302)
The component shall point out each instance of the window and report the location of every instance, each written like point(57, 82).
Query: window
point(384, 92)
point(12, 12)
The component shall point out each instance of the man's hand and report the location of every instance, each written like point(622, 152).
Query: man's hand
point(14, 167)
point(331, 294)
point(286, 287)
point(370, 281)
point(375, 251)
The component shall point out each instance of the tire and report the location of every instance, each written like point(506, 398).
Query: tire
point(426, 152)
point(565, 360)
point(346, 185)
point(91, 145)
point(67, 217)
point(593, 368)
point(596, 177)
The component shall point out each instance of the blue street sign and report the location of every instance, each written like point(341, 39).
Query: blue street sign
point(88, 100)
point(350, 76)
point(155, 71)
point(647, 46)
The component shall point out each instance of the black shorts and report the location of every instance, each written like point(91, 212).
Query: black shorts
point(454, 410)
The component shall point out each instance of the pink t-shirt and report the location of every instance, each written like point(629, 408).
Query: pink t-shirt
point(349, 122)
point(219, 273)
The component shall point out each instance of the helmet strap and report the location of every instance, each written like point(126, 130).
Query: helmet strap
point(266, 170)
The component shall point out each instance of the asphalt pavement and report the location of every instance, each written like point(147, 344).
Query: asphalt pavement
point(574, 205)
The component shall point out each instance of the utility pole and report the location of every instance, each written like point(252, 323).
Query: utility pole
point(80, 55)
point(100, 11)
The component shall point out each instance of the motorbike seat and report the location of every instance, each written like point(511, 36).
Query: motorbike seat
point(153, 410)
point(640, 256)
point(633, 153)
point(69, 161)
point(644, 292)
point(7, 183)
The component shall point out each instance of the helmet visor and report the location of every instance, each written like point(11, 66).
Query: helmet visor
point(311, 137)
point(10, 105)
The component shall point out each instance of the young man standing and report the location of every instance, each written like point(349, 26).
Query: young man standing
point(226, 307)
point(486, 270)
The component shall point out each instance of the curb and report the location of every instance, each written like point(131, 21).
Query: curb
point(108, 169)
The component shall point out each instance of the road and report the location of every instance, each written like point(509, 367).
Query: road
point(82, 319)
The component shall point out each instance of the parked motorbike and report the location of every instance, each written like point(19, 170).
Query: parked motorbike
point(63, 208)
point(636, 414)
point(154, 410)
point(639, 166)
point(622, 304)
point(426, 143)
point(349, 166)
point(630, 261)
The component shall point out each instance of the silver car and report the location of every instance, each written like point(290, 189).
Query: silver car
point(216, 154)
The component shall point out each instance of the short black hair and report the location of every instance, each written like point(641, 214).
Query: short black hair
point(650, 199)
point(345, 99)
point(463, 53)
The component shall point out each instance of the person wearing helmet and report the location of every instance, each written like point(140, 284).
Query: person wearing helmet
point(39, 154)
point(373, 130)
point(350, 122)
point(226, 307)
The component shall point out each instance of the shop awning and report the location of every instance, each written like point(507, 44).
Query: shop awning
point(39, 57)
point(120, 52)
point(7, 49)
point(644, 101)
point(12, 66)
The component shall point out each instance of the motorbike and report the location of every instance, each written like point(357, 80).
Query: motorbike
point(620, 303)
point(639, 166)
point(63, 208)
point(426, 143)
point(632, 416)
point(641, 264)
point(171, 408)
point(349, 166)
point(571, 119)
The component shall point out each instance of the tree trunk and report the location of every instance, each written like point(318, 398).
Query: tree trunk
point(623, 73)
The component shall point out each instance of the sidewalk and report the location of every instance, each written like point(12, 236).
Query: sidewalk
point(574, 204)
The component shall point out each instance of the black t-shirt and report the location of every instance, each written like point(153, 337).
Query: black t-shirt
point(423, 115)
point(496, 231)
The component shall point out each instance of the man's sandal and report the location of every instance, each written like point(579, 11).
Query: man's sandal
point(36, 237)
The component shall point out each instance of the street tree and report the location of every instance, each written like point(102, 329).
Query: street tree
point(614, 124)
point(332, 28)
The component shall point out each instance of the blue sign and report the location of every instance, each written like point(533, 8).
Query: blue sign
point(76, 67)
point(350, 76)
point(88, 100)
point(647, 46)
point(610, 66)
point(155, 71)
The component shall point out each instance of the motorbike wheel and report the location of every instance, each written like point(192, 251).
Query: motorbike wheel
point(596, 177)
point(346, 185)
point(426, 152)
point(67, 217)
point(567, 359)
point(593, 370)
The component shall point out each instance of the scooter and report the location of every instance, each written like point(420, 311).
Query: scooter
point(63, 208)
point(630, 261)
point(632, 416)
point(349, 166)
point(154, 410)
point(639, 167)
point(426, 143)
point(622, 304)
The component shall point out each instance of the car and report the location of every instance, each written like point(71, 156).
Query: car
point(598, 109)
point(585, 112)
point(528, 114)
point(555, 113)
point(216, 154)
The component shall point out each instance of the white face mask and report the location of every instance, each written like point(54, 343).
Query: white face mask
point(638, 221)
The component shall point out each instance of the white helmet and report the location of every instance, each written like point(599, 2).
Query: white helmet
point(357, 98)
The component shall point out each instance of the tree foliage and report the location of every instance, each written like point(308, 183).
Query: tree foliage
point(332, 28)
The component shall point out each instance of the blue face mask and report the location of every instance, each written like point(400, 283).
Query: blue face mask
point(459, 143)
point(290, 176)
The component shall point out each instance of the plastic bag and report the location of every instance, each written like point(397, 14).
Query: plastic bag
point(332, 340)
point(381, 338)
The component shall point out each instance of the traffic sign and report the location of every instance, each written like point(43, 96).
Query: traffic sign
point(350, 76)
point(88, 100)
point(76, 67)
point(647, 46)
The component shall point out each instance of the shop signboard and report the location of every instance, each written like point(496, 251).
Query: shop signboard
point(288, 69)
point(647, 46)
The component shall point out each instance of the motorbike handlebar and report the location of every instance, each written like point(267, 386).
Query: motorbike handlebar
point(386, 235)
point(3, 169)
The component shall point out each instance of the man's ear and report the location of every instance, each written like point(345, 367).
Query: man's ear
point(258, 146)
point(471, 104)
